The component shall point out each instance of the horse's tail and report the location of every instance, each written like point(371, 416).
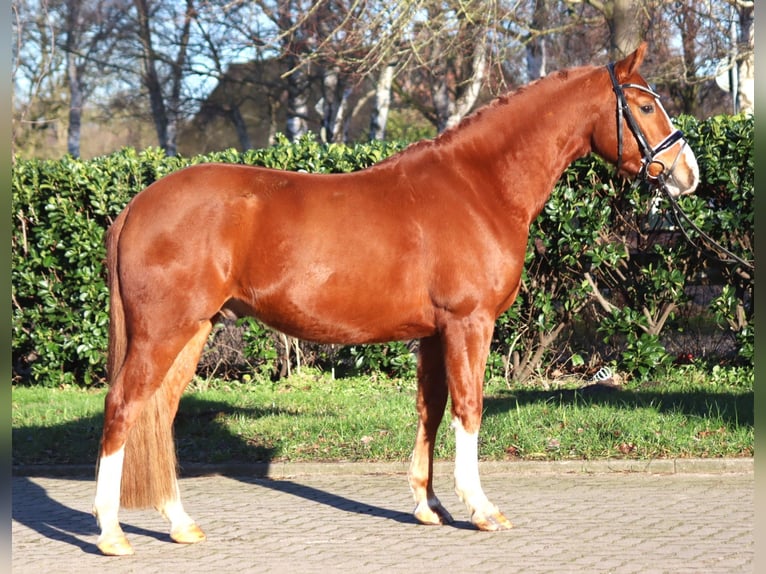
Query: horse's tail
point(149, 467)
point(117, 335)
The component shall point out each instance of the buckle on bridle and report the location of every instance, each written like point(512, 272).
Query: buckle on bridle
point(647, 174)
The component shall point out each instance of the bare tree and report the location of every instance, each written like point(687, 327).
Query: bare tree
point(338, 57)
point(334, 24)
point(686, 69)
point(624, 19)
point(446, 57)
point(234, 49)
point(37, 73)
point(379, 115)
point(326, 42)
point(446, 44)
point(91, 30)
point(536, 45)
point(165, 108)
point(213, 37)
point(453, 98)
point(294, 44)
point(745, 56)
point(625, 22)
point(74, 75)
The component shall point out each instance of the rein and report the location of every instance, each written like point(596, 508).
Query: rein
point(678, 214)
point(649, 153)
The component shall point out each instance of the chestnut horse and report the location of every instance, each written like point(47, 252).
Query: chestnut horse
point(428, 244)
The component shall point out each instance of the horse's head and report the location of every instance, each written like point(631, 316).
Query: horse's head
point(640, 137)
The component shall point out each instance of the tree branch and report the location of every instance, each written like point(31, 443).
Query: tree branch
point(655, 326)
point(606, 305)
point(597, 4)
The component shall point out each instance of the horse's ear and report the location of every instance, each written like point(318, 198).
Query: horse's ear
point(631, 63)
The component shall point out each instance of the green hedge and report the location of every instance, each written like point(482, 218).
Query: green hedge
point(605, 281)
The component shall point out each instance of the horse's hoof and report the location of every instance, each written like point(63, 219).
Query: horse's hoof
point(116, 545)
point(492, 522)
point(432, 515)
point(187, 534)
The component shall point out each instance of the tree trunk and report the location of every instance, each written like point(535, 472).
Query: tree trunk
point(746, 65)
point(151, 79)
point(297, 101)
point(75, 107)
point(176, 81)
point(622, 16)
point(688, 89)
point(295, 48)
point(274, 106)
point(235, 115)
point(334, 106)
point(450, 108)
point(379, 116)
point(73, 77)
point(329, 105)
point(340, 129)
point(443, 104)
point(470, 94)
point(536, 56)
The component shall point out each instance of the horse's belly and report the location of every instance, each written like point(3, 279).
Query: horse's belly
point(331, 310)
point(343, 322)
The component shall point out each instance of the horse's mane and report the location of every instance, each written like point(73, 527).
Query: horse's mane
point(503, 101)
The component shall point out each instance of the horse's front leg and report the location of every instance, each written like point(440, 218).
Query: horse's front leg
point(466, 343)
point(432, 399)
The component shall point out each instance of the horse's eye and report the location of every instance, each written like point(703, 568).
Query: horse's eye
point(647, 108)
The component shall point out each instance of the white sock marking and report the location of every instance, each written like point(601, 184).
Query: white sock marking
point(467, 482)
point(107, 502)
point(173, 511)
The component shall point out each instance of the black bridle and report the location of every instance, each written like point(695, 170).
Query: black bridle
point(650, 158)
point(650, 154)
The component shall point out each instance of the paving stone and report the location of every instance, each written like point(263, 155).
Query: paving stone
point(325, 522)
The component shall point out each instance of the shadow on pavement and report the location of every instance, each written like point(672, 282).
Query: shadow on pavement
point(52, 519)
point(340, 502)
point(328, 499)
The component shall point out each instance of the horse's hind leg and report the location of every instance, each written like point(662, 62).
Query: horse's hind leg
point(432, 399)
point(183, 528)
point(139, 408)
point(111, 540)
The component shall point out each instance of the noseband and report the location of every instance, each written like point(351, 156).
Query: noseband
point(650, 154)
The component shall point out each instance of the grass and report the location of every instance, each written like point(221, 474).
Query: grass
point(690, 413)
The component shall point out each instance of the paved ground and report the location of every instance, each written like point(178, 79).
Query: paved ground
point(357, 519)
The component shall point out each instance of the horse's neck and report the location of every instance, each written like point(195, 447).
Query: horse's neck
point(529, 138)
